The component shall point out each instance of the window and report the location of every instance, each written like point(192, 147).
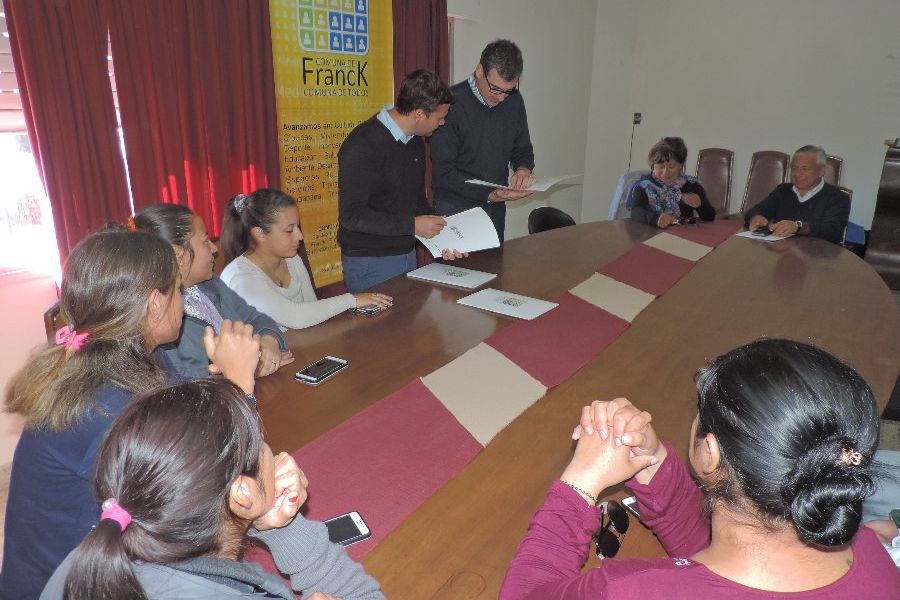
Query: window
point(27, 236)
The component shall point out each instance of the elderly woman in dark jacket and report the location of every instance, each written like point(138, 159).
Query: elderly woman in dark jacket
point(668, 196)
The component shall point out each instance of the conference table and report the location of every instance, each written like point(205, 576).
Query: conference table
point(458, 543)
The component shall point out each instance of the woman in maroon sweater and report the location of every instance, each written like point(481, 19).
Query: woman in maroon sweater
point(782, 451)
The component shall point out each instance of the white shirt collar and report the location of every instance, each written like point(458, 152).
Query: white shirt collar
point(388, 121)
point(809, 194)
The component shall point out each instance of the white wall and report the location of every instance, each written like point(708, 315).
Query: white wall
point(609, 118)
point(556, 39)
point(759, 75)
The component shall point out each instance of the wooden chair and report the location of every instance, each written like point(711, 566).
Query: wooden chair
point(833, 166)
point(768, 168)
point(714, 166)
point(53, 320)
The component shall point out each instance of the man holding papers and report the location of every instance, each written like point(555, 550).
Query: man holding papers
point(486, 134)
point(381, 184)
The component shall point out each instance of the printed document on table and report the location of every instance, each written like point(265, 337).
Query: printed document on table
point(763, 238)
point(467, 231)
point(541, 185)
point(451, 275)
point(505, 303)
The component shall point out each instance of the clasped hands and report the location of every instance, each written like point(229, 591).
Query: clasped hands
point(290, 494)
point(240, 355)
point(615, 442)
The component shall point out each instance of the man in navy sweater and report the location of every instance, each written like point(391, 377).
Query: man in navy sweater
point(809, 206)
point(486, 135)
point(381, 184)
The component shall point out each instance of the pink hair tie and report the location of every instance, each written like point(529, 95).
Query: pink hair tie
point(112, 510)
point(70, 338)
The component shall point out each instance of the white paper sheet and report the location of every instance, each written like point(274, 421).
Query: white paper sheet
point(451, 275)
point(763, 238)
point(505, 303)
point(467, 231)
point(541, 185)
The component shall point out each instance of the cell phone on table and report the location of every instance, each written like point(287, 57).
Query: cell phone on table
point(319, 371)
point(347, 529)
point(630, 503)
point(368, 310)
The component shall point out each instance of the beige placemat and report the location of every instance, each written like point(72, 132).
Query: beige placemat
point(613, 296)
point(484, 390)
point(678, 246)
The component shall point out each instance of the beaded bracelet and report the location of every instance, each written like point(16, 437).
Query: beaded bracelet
point(587, 495)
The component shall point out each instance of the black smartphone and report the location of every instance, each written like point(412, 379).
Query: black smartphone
point(320, 370)
point(347, 529)
point(368, 310)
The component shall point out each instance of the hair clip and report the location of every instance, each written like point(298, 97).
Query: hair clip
point(70, 338)
point(850, 457)
point(239, 202)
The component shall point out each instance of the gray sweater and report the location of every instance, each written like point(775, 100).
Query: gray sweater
point(188, 353)
point(301, 551)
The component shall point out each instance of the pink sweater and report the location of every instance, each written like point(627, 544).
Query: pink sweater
point(548, 562)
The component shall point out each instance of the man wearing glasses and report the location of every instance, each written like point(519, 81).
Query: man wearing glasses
point(485, 136)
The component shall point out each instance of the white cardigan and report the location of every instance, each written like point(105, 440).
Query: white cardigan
point(293, 307)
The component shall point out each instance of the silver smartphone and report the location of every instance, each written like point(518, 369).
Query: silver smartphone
point(630, 503)
point(347, 529)
point(319, 371)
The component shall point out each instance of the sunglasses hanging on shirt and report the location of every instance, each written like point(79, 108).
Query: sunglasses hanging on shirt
point(613, 527)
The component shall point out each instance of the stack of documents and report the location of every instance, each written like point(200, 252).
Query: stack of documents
point(467, 231)
point(451, 275)
point(511, 305)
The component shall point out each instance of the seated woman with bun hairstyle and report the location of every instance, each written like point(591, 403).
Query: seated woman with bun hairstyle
point(260, 237)
point(781, 450)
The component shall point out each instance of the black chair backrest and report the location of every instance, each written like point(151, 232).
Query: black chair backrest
point(545, 218)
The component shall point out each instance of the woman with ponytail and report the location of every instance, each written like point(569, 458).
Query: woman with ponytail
point(207, 300)
point(782, 451)
point(121, 298)
point(187, 477)
point(260, 238)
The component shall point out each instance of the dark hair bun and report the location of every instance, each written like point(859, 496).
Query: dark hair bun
point(824, 495)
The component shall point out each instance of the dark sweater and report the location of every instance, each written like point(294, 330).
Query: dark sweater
point(51, 504)
point(643, 212)
point(478, 142)
point(381, 189)
point(826, 213)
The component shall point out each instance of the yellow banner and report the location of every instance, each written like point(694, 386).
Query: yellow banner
point(333, 69)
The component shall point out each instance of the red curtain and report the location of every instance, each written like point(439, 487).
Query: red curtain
point(421, 38)
point(421, 41)
point(197, 100)
point(59, 49)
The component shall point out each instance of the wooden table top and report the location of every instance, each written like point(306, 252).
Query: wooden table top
point(459, 542)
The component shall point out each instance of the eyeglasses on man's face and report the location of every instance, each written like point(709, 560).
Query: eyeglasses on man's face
point(499, 90)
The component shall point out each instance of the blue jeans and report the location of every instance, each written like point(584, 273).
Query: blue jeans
point(362, 272)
